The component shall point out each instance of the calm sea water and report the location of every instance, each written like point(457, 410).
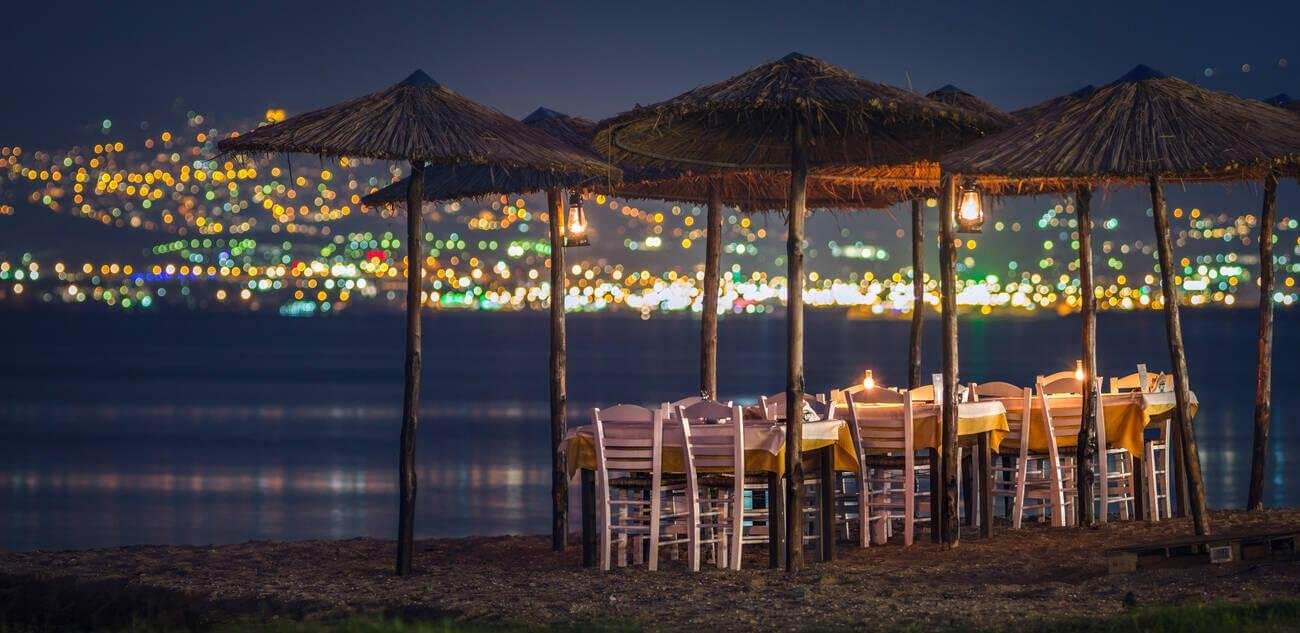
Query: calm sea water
point(211, 429)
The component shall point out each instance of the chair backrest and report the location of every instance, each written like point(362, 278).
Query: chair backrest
point(628, 438)
point(1140, 380)
point(1063, 415)
point(875, 433)
point(877, 395)
point(623, 413)
point(996, 389)
point(773, 406)
point(703, 411)
point(924, 393)
point(717, 447)
point(1057, 376)
point(1060, 384)
point(685, 402)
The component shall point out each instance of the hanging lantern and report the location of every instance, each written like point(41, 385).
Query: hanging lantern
point(868, 381)
point(1078, 370)
point(970, 209)
point(575, 230)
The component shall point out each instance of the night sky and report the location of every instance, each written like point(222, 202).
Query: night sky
point(70, 67)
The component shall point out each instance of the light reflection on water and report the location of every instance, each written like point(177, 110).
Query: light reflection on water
point(102, 447)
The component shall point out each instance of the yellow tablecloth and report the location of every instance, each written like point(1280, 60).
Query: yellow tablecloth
point(1127, 416)
point(764, 446)
point(973, 418)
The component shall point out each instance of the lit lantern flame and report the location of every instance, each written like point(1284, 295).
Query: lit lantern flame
point(1078, 370)
point(575, 233)
point(970, 209)
point(868, 381)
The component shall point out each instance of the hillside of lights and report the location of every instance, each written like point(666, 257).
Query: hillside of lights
point(290, 237)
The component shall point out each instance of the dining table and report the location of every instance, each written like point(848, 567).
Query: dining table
point(828, 441)
point(981, 427)
point(1127, 416)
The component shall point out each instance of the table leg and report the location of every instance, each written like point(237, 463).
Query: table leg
point(936, 495)
point(984, 455)
point(1178, 475)
point(1139, 489)
point(588, 518)
point(775, 521)
point(826, 463)
point(968, 482)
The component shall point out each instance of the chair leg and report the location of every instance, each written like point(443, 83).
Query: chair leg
point(620, 513)
point(1149, 473)
point(1018, 508)
point(1125, 467)
point(909, 501)
point(864, 512)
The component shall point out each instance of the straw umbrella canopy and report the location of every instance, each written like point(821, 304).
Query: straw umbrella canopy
point(1145, 127)
point(420, 121)
point(793, 114)
point(1034, 111)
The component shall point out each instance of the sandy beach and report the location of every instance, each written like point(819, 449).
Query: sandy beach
point(1037, 574)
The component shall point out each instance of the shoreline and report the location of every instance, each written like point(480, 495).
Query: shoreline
point(1014, 578)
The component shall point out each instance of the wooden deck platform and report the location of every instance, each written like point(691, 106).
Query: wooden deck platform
point(1216, 548)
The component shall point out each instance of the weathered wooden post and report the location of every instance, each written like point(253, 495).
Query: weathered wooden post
point(709, 317)
point(411, 393)
point(918, 295)
point(794, 344)
point(951, 467)
point(1087, 446)
point(1178, 360)
point(1264, 369)
point(558, 369)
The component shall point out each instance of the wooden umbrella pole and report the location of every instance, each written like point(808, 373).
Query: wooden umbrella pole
point(1087, 441)
point(1264, 369)
point(709, 316)
point(411, 393)
point(559, 382)
point(918, 295)
point(948, 285)
point(1178, 360)
point(794, 345)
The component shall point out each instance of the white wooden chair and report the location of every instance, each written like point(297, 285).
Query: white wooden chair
point(717, 514)
point(888, 468)
point(1006, 462)
point(629, 442)
point(1060, 421)
point(1115, 471)
point(1037, 482)
point(773, 407)
point(1155, 453)
point(757, 519)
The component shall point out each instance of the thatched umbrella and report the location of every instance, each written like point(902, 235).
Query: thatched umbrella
point(420, 121)
point(1144, 127)
point(791, 115)
point(453, 182)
